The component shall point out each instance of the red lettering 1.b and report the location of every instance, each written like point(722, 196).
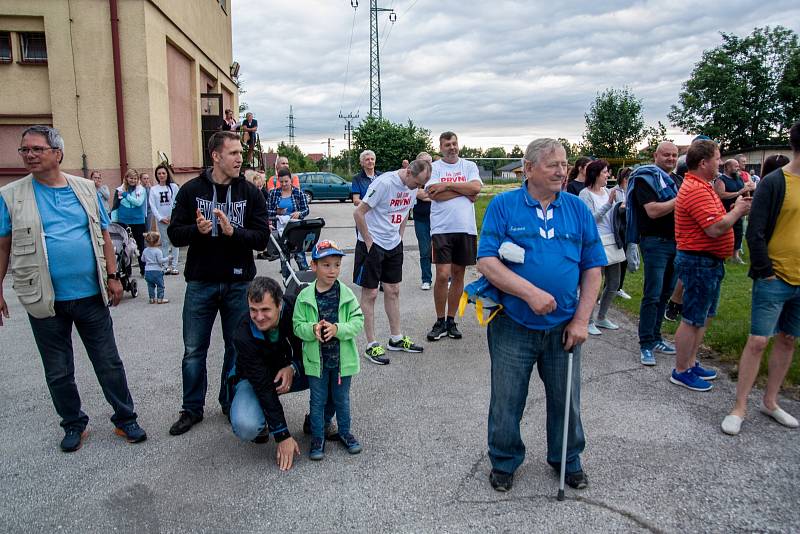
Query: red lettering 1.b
point(396, 218)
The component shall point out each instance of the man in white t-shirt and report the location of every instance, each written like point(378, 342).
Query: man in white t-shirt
point(380, 220)
point(453, 187)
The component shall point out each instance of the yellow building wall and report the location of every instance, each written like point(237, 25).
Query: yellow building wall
point(199, 28)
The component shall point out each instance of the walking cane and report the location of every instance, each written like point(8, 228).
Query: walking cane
point(566, 429)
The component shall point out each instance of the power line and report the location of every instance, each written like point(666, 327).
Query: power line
point(349, 49)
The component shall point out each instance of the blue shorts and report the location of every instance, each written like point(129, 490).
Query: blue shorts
point(702, 279)
point(776, 308)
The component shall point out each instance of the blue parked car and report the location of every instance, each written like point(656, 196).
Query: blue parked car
point(324, 186)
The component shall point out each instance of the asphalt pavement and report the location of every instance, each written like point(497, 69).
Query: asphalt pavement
point(655, 456)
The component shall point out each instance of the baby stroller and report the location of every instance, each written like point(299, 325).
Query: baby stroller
point(297, 236)
point(127, 254)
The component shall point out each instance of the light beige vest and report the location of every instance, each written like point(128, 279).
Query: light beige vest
point(29, 262)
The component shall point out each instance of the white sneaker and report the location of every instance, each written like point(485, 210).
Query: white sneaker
point(780, 416)
point(425, 286)
point(593, 330)
point(621, 294)
point(732, 425)
point(607, 324)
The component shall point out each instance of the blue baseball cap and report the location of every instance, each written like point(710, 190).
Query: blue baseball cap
point(326, 248)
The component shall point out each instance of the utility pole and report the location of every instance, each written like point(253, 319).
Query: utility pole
point(330, 165)
point(291, 126)
point(375, 55)
point(348, 132)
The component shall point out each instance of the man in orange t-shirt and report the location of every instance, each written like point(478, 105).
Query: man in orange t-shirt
point(704, 239)
point(281, 163)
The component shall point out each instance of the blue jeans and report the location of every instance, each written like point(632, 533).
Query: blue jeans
point(166, 245)
point(423, 231)
point(155, 284)
point(514, 349)
point(702, 281)
point(247, 416)
point(658, 256)
point(53, 337)
point(202, 302)
point(776, 308)
point(338, 389)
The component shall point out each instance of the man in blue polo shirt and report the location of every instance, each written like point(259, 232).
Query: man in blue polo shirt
point(537, 247)
point(362, 180)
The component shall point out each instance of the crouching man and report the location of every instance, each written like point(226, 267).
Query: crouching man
point(268, 364)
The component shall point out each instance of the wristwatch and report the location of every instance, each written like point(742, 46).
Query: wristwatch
point(113, 276)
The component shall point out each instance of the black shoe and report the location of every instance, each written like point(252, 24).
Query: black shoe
point(262, 437)
point(331, 432)
point(438, 331)
point(501, 481)
point(186, 421)
point(452, 330)
point(405, 344)
point(576, 480)
point(73, 439)
point(673, 311)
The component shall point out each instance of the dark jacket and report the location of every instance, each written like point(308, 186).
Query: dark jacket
point(219, 258)
point(258, 361)
point(361, 182)
point(767, 203)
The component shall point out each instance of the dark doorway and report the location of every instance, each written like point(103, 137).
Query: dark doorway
point(210, 120)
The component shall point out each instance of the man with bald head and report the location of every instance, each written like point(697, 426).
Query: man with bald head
point(657, 245)
point(729, 186)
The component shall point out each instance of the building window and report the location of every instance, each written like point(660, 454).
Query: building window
point(5, 47)
point(33, 47)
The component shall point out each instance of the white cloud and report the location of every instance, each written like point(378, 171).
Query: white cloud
point(495, 72)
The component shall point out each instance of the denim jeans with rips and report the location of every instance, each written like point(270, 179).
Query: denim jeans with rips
point(200, 307)
point(514, 350)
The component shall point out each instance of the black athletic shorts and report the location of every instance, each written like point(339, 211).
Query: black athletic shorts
point(458, 249)
point(377, 265)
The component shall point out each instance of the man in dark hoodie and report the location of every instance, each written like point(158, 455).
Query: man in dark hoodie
point(222, 218)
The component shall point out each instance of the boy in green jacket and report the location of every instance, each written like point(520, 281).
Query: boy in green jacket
point(327, 318)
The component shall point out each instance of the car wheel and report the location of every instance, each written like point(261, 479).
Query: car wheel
point(309, 196)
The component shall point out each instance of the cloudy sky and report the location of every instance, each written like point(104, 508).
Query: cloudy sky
point(498, 73)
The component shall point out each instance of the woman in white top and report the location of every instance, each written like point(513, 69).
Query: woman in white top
point(161, 200)
point(601, 203)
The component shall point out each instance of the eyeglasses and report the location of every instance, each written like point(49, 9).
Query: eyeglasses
point(37, 150)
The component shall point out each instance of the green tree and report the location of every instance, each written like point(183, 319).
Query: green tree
point(494, 164)
point(469, 152)
point(745, 92)
point(298, 162)
point(391, 142)
point(655, 135)
point(574, 151)
point(614, 124)
point(516, 152)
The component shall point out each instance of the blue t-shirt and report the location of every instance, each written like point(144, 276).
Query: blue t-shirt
point(361, 182)
point(287, 204)
point(559, 244)
point(68, 240)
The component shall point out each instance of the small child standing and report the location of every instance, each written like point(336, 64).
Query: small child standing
point(327, 317)
point(154, 262)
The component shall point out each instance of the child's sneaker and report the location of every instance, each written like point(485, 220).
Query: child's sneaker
point(317, 450)
point(351, 443)
point(163, 301)
point(152, 301)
